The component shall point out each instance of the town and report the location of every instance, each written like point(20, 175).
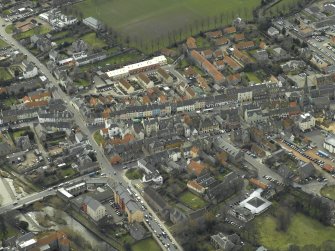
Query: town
point(220, 137)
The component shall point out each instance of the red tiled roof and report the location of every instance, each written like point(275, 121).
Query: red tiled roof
point(229, 30)
point(191, 43)
point(195, 167)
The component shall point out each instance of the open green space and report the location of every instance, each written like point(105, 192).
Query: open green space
point(123, 59)
point(4, 74)
point(92, 40)
point(252, 77)
point(156, 19)
point(202, 42)
point(134, 173)
point(3, 44)
point(329, 192)
point(302, 231)
point(9, 28)
point(19, 133)
point(191, 200)
point(68, 172)
point(82, 82)
point(146, 245)
point(42, 29)
point(10, 101)
point(98, 138)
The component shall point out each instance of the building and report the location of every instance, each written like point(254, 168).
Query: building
point(226, 242)
point(306, 122)
point(255, 203)
point(145, 81)
point(126, 86)
point(127, 204)
point(273, 32)
point(143, 66)
point(92, 23)
point(93, 208)
point(30, 71)
point(329, 144)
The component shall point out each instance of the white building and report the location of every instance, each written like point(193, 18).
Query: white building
point(329, 144)
point(137, 67)
point(31, 71)
point(244, 96)
point(92, 23)
point(273, 32)
point(306, 122)
point(94, 209)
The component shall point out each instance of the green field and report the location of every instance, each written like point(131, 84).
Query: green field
point(4, 74)
point(252, 77)
point(154, 19)
point(191, 200)
point(98, 138)
point(43, 29)
point(134, 173)
point(302, 231)
point(3, 44)
point(146, 245)
point(282, 6)
point(329, 192)
point(92, 40)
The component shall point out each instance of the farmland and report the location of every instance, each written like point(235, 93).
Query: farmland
point(153, 19)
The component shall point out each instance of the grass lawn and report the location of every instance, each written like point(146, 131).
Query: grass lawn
point(92, 40)
point(146, 245)
point(83, 83)
point(9, 101)
point(202, 42)
point(4, 74)
point(68, 172)
point(192, 200)
point(329, 192)
point(18, 133)
point(43, 29)
point(154, 19)
point(123, 59)
point(252, 77)
point(98, 138)
point(3, 44)
point(302, 231)
point(134, 173)
point(9, 28)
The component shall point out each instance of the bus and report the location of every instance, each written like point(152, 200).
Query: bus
point(323, 154)
point(208, 110)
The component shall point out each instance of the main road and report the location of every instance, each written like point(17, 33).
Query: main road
point(105, 165)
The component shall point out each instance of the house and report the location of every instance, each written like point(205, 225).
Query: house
point(128, 204)
point(306, 170)
point(155, 200)
point(30, 71)
point(202, 62)
point(221, 41)
point(53, 55)
point(239, 37)
point(196, 187)
point(229, 30)
point(190, 93)
point(245, 45)
point(191, 43)
point(273, 32)
point(92, 23)
point(94, 208)
point(79, 46)
point(164, 75)
point(329, 144)
point(126, 86)
point(231, 63)
point(226, 242)
point(196, 168)
point(214, 34)
point(306, 122)
point(207, 53)
point(145, 81)
point(261, 55)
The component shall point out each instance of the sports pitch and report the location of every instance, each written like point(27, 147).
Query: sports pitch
point(152, 19)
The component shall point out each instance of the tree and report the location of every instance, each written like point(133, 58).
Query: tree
point(283, 219)
point(23, 225)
